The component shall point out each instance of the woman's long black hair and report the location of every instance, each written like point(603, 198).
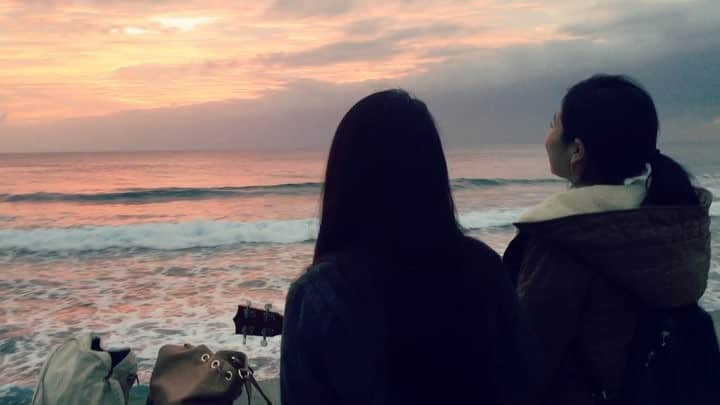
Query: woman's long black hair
point(617, 121)
point(386, 183)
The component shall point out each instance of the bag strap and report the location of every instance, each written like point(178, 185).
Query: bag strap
point(599, 393)
point(254, 382)
point(249, 381)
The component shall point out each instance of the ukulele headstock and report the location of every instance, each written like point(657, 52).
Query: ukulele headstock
point(251, 321)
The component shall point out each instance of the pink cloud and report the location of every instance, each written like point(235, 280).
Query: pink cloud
point(100, 57)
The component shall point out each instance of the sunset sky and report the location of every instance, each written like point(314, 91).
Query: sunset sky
point(198, 74)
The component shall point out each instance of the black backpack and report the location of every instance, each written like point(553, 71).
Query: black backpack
point(674, 360)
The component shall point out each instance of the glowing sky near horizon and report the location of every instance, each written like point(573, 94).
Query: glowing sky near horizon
point(66, 59)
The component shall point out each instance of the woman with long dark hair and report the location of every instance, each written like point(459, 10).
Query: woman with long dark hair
point(399, 306)
point(631, 235)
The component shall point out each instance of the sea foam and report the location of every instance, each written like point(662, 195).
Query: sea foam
point(195, 234)
point(157, 236)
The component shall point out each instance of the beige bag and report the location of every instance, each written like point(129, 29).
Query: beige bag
point(194, 375)
point(80, 372)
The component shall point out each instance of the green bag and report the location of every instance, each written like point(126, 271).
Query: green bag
point(194, 375)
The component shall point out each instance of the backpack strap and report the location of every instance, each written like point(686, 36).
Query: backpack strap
point(598, 392)
point(651, 337)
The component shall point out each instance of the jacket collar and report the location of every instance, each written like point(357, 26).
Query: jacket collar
point(587, 200)
point(659, 253)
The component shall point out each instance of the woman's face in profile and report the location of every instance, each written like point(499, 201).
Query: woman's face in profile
point(557, 150)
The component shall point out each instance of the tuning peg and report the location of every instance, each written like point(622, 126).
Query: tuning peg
point(665, 335)
point(264, 343)
point(247, 310)
point(268, 307)
point(244, 333)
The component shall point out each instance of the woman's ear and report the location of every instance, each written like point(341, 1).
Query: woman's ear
point(577, 151)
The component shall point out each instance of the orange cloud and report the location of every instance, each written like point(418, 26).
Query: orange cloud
point(65, 59)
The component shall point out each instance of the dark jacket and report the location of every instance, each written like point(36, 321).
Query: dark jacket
point(584, 279)
point(360, 330)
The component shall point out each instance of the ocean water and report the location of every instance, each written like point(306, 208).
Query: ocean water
point(147, 249)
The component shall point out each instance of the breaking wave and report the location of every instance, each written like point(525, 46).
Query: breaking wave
point(140, 196)
point(195, 234)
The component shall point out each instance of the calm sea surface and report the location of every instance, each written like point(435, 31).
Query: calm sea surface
point(147, 249)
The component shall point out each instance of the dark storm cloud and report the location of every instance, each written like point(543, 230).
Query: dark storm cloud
point(674, 24)
point(509, 95)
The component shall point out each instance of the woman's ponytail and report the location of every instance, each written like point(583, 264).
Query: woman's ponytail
point(670, 183)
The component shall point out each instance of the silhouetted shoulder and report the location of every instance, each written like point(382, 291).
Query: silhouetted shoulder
point(477, 252)
point(481, 265)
